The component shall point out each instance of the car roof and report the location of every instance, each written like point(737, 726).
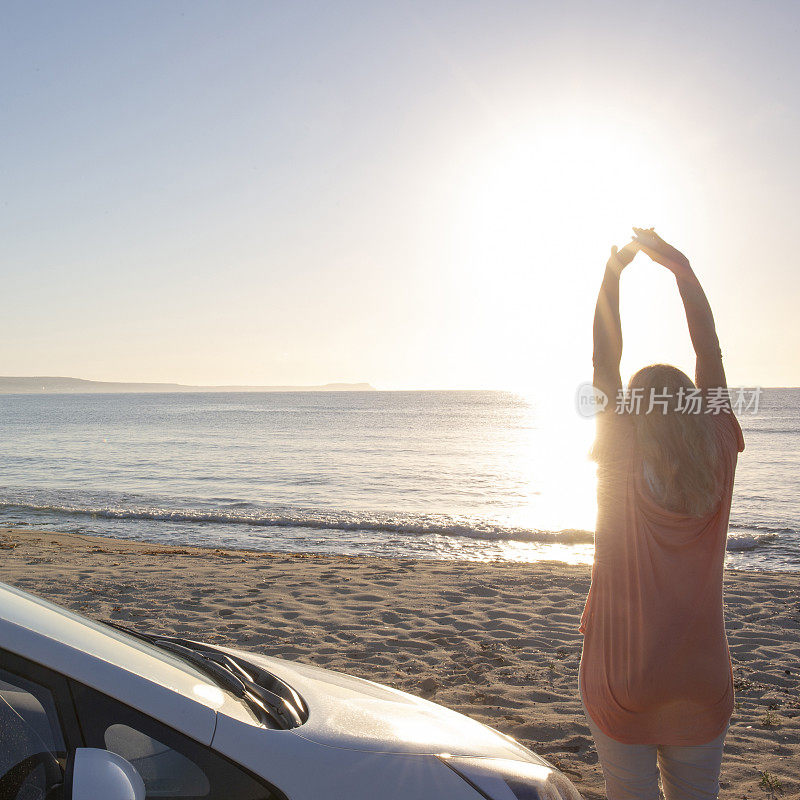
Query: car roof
point(128, 669)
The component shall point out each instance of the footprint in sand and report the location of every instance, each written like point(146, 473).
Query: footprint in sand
point(482, 591)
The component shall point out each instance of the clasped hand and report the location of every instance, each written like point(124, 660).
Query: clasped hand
point(650, 243)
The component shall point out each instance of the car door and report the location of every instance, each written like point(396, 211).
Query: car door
point(38, 728)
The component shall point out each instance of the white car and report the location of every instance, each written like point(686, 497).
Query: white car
point(91, 712)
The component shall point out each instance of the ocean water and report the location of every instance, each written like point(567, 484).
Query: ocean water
point(442, 475)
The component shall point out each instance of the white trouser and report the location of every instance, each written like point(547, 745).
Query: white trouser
point(631, 771)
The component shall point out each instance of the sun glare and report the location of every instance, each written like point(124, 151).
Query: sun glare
point(562, 191)
point(538, 213)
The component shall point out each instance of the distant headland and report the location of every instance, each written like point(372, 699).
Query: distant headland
point(51, 385)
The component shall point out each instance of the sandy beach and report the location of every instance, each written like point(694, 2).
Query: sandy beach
point(496, 641)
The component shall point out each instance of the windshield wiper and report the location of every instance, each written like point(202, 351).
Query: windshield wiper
point(254, 679)
point(274, 702)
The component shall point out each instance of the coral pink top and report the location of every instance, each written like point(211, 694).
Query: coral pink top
point(655, 667)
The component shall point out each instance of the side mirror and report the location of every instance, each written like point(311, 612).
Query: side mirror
point(93, 773)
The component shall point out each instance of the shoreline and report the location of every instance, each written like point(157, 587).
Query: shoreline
point(425, 556)
point(496, 640)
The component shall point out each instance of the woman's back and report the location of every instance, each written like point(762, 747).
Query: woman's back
point(655, 667)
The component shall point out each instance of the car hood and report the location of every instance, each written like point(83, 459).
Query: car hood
point(357, 714)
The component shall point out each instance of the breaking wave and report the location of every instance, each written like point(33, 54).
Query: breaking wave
point(411, 525)
point(742, 536)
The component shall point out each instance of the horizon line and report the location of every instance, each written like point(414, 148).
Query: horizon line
point(74, 385)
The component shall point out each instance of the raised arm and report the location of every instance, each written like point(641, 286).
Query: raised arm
point(709, 372)
point(607, 327)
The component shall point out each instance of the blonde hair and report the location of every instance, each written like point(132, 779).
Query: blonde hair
point(679, 447)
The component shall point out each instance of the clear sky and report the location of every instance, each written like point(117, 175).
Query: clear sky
point(414, 194)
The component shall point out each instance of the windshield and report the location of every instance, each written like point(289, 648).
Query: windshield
point(52, 625)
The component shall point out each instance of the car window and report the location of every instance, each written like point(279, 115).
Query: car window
point(165, 772)
point(31, 740)
point(172, 766)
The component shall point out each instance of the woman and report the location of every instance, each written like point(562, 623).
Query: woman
point(655, 674)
